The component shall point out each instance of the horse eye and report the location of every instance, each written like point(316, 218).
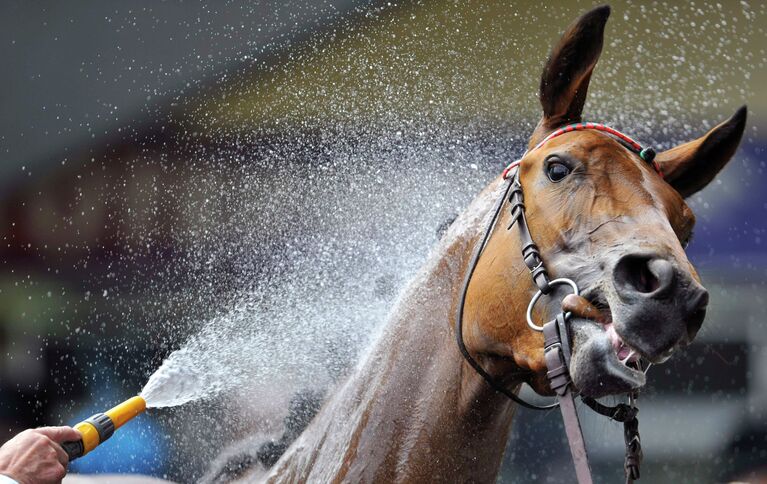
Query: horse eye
point(557, 171)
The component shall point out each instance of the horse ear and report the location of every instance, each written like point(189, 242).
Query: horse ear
point(567, 73)
point(691, 166)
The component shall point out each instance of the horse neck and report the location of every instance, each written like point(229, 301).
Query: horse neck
point(414, 409)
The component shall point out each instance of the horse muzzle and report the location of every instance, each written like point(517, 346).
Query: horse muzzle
point(650, 310)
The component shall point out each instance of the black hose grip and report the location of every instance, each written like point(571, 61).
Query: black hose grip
point(103, 425)
point(74, 449)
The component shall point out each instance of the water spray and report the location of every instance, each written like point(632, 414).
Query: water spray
point(176, 382)
point(98, 428)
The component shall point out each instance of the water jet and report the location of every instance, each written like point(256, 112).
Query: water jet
point(169, 386)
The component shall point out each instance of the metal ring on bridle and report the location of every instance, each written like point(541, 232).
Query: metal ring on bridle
point(556, 282)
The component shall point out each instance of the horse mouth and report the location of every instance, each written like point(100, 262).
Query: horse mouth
point(603, 361)
point(625, 352)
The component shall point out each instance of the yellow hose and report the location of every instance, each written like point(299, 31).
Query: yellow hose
point(126, 411)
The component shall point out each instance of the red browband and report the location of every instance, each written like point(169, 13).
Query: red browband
point(647, 154)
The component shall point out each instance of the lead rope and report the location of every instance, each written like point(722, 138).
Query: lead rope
point(557, 355)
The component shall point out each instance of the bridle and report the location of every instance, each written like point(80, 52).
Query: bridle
point(556, 332)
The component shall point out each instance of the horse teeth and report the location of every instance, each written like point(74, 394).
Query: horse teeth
point(631, 353)
point(626, 359)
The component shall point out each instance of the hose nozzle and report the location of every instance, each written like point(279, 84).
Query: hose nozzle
point(98, 428)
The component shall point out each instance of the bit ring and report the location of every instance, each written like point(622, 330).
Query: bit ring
point(562, 281)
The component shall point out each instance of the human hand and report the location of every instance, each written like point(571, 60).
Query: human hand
point(35, 456)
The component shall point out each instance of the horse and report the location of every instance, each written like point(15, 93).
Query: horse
point(414, 409)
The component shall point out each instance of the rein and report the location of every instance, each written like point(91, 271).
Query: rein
point(556, 332)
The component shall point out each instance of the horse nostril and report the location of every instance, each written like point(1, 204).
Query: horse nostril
point(643, 274)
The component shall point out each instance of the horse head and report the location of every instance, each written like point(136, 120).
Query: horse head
point(610, 221)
